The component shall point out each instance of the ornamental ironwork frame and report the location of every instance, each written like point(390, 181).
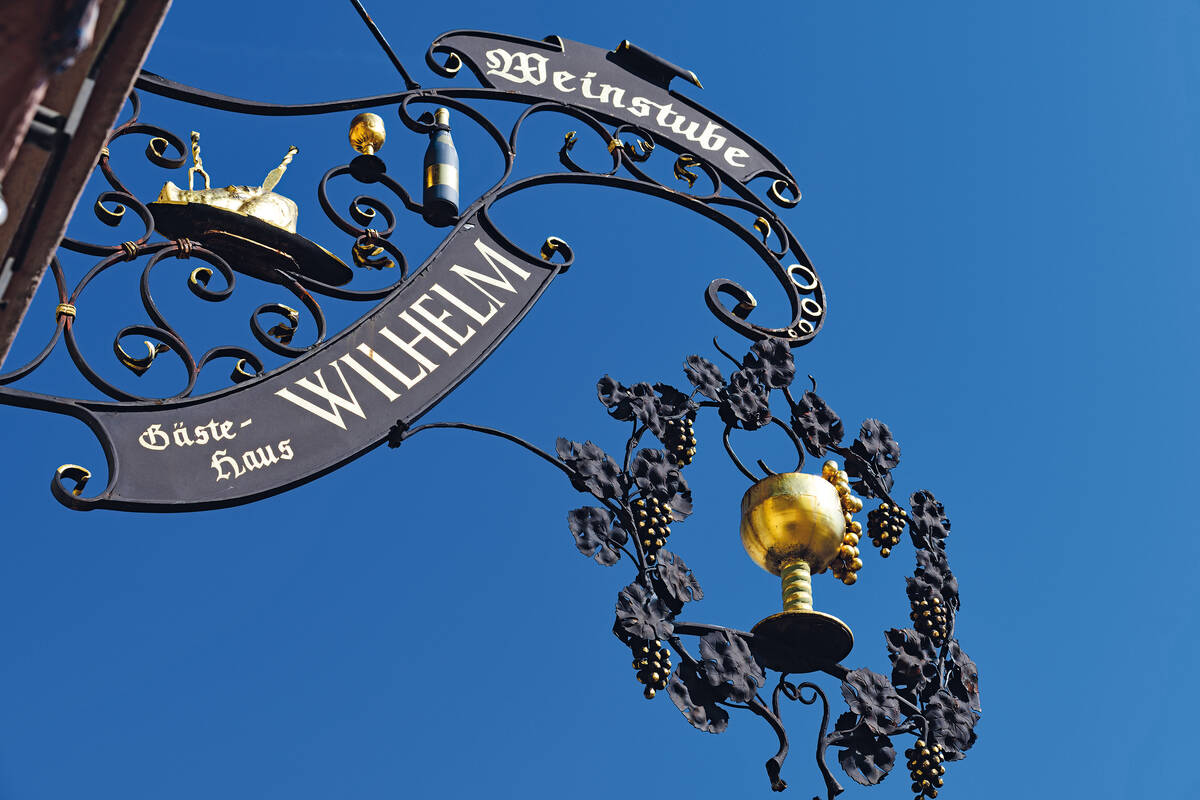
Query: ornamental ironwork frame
point(931, 693)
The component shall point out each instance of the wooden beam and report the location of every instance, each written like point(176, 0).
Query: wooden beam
point(49, 173)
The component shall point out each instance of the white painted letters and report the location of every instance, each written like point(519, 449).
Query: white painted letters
point(522, 67)
point(337, 403)
point(517, 67)
point(408, 361)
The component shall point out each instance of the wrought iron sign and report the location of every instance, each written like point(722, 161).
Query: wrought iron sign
point(343, 394)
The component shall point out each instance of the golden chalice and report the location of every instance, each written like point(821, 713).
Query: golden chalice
point(793, 525)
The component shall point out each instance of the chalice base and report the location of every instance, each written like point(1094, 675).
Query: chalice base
point(801, 641)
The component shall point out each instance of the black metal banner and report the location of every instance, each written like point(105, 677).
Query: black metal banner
point(337, 402)
point(626, 85)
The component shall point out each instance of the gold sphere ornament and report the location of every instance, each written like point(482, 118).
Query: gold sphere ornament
point(367, 133)
point(793, 525)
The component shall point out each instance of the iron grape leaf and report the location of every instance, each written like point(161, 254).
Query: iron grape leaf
point(729, 667)
point(745, 401)
point(962, 676)
point(595, 535)
point(933, 571)
point(928, 523)
point(816, 424)
point(696, 701)
point(950, 589)
point(641, 615)
point(673, 403)
point(873, 698)
point(913, 657)
point(658, 475)
point(705, 376)
point(681, 504)
point(595, 472)
point(771, 362)
point(847, 721)
point(867, 758)
point(876, 445)
point(676, 583)
point(650, 405)
point(615, 397)
point(644, 403)
point(951, 724)
point(875, 451)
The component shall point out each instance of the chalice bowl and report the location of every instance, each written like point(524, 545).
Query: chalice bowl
point(792, 526)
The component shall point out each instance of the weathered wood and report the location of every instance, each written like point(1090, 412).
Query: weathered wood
point(40, 187)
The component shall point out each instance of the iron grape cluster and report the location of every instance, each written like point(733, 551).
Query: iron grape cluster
point(653, 664)
point(926, 769)
point(652, 519)
point(885, 525)
point(929, 617)
point(680, 439)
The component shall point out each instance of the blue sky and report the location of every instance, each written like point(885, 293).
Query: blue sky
point(1000, 202)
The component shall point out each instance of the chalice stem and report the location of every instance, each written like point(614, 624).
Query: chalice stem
point(797, 585)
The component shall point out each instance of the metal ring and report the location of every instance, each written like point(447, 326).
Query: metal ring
point(812, 278)
point(810, 308)
point(64, 310)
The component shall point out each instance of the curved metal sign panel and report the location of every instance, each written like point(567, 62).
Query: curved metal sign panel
point(627, 84)
point(336, 402)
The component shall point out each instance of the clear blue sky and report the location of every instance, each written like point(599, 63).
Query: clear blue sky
point(1000, 199)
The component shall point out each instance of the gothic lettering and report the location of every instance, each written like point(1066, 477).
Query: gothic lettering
point(336, 402)
point(522, 67)
point(560, 80)
point(585, 87)
point(710, 139)
point(517, 67)
point(220, 460)
point(612, 95)
point(153, 438)
point(182, 439)
point(640, 107)
point(228, 467)
point(259, 459)
point(735, 152)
